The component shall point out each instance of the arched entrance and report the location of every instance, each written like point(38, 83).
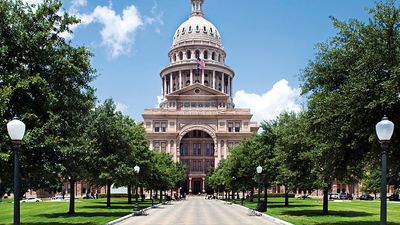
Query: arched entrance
point(197, 153)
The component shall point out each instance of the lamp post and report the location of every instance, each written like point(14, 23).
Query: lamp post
point(136, 169)
point(16, 131)
point(384, 131)
point(259, 171)
point(233, 189)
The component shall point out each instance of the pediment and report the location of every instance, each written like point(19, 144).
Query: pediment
point(196, 89)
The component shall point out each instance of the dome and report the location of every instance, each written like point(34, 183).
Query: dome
point(197, 28)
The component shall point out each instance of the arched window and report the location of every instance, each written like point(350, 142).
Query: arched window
point(197, 53)
point(205, 54)
point(188, 54)
point(183, 31)
point(174, 57)
point(187, 82)
point(213, 56)
point(205, 29)
point(219, 57)
point(190, 29)
point(206, 82)
point(197, 29)
point(180, 56)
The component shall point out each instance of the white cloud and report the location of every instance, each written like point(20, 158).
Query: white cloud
point(118, 30)
point(36, 2)
point(269, 105)
point(121, 107)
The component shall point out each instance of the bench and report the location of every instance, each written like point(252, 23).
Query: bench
point(253, 212)
point(140, 212)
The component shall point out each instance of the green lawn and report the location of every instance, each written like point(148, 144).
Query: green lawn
point(309, 212)
point(88, 212)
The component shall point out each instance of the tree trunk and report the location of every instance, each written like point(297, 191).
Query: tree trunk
point(266, 197)
point(161, 196)
point(286, 198)
point(156, 195)
point(141, 194)
point(136, 194)
point(252, 195)
point(151, 194)
point(108, 195)
point(72, 197)
point(325, 201)
point(129, 195)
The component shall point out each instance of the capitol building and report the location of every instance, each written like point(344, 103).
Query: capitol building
point(197, 122)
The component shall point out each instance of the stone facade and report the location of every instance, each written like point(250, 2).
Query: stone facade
point(197, 121)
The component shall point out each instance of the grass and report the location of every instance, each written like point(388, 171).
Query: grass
point(309, 212)
point(88, 212)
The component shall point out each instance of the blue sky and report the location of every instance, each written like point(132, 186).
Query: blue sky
point(268, 43)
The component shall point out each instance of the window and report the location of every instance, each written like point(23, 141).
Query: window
point(237, 126)
point(157, 126)
point(209, 149)
point(197, 53)
point(174, 57)
point(205, 29)
point(184, 149)
point(160, 126)
point(197, 29)
point(163, 146)
point(180, 56)
point(230, 126)
point(197, 149)
point(186, 104)
point(190, 29)
point(183, 31)
point(205, 54)
point(188, 54)
point(193, 104)
point(234, 126)
point(213, 56)
point(207, 105)
point(156, 145)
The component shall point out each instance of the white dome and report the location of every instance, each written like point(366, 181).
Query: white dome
point(197, 28)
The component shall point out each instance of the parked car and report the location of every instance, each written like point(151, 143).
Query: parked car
point(366, 197)
point(334, 196)
point(57, 199)
point(394, 197)
point(32, 200)
point(346, 196)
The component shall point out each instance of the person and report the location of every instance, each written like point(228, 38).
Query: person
point(97, 195)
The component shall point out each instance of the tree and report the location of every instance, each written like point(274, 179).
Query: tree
point(351, 84)
point(291, 149)
point(110, 148)
point(45, 81)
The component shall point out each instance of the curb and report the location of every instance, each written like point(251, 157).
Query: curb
point(130, 215)
point(268, 217)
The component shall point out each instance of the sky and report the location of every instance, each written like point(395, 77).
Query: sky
point(268, 44)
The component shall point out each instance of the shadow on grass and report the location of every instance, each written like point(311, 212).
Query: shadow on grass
point(59, 223)
point(359, 223)
point(312, 213)
point(289, 206)
point(85, 214)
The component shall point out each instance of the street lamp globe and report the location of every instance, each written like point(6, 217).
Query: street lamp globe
point(136, 169)
point(16, 129)
point(259, 169)
point(384, 129)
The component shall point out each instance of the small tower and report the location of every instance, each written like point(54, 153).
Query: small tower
point(197, 7)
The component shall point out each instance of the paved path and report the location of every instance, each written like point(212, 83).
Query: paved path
point(197, 211)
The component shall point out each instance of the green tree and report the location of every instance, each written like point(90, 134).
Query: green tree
point(110, 148)
point(291, 149)
point(351, 84)
point(45, 81)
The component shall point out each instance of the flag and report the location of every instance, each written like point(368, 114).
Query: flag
point(200, 65)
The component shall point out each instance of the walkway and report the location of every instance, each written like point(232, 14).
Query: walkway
point(198, 211)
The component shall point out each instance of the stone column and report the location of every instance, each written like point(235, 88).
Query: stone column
point(164, 86)
point(191, 76)
point(190, 185)
point(204, 184)
point(213, 79)
point(228, 88)
point(225, 149)
point(171, 86)
point(223, 83)
point(202, 76)
point(180, 79)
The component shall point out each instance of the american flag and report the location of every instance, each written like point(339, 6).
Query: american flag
point(200, 63)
